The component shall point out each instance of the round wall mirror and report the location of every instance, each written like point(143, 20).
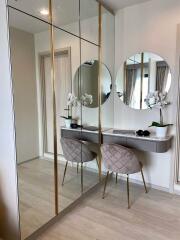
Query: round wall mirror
point(140, 75)
point(86, 82)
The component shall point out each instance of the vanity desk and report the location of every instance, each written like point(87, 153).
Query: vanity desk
point(126, 138)
point(80, 134)
point(130, 139)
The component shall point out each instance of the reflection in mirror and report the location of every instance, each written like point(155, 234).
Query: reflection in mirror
point(66, 15)
point(89, 12)
point(39, 9)
point(35, 171)
point(140, 75)
point(86, 82)
point(108, 58)
point(66, 60)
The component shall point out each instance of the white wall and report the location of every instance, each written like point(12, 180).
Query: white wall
point(151, 27)
point(25, 98)
point(9, 216)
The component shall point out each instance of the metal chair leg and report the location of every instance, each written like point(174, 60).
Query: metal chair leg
point(64, 173)
point(116, 178)
point(97, 162)
point(128, 191)
point(146, 191)
point(77, 168)
point(105, 184)
point(82, 187)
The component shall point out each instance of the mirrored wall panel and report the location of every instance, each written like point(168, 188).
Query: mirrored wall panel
point(66, 15)
point(38, 9)
point(35, 169)
point(140, 75)
point(89, 17)
point(108, 59)
point(67, 58)
point(58, 80)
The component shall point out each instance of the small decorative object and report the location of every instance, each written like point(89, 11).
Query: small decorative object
point(74, 125)
point(142, 133)
point(71, 102)
point(158, 100)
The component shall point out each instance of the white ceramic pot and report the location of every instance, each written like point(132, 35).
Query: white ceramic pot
point(68, 123)
point(161, 132)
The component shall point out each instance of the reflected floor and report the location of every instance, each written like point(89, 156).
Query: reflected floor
point(36, 187)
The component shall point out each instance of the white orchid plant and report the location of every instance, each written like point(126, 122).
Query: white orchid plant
point(72, 101)
point(157, 100)
point(86, 99)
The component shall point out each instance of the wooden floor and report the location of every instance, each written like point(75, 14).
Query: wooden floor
point(36, 191)
point(153, 216)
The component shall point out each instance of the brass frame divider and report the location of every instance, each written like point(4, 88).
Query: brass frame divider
point(177, 139)
point(80, 90)
point(142, 77)
point(54, 107)
point(99, 86)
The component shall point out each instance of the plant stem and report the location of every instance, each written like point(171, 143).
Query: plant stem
point(161, 116)
point(68, 111)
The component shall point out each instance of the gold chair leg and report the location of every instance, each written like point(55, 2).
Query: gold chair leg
point(97, 162)
point(146, 191)
point(77, 168)
point(82, 187)
point(64, 173)
point(116, 178)
point(128, 191)
point(105, 184)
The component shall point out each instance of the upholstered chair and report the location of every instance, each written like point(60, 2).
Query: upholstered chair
point(76, 151)
point(121, 160)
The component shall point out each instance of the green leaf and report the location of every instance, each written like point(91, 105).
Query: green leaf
point(156, 124)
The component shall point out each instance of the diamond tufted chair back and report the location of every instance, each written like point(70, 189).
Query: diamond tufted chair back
point(120, 159)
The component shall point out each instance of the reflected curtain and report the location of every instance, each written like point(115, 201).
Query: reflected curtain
point(131, 77)
point(161, 76)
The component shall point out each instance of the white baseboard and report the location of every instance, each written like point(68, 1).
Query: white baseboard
point(149, 185)
point(28, 160)
point(177, 189)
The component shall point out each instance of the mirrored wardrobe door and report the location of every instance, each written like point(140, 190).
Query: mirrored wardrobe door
point(89, 96)
point(35, 168)
point(66, 15)
point(89, 16)
point(37, 8)
point(87, 90)
point(108, 59)
point(67, 57)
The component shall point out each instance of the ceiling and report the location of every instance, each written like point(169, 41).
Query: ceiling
point(119, 4)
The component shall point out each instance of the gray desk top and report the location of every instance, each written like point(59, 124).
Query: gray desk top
point(109, 131)
point(152, 137)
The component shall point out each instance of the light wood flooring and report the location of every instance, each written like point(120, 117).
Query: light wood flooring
point(36, 191)
point(153, 216)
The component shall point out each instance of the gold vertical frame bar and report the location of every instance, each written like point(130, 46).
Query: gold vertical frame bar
point(142, 73)
point(54, 107)
point(80, 90)
point(177, 139)
point(99, 84)
point(125, 81)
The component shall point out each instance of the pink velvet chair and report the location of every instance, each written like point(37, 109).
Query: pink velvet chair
point(122, 160)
